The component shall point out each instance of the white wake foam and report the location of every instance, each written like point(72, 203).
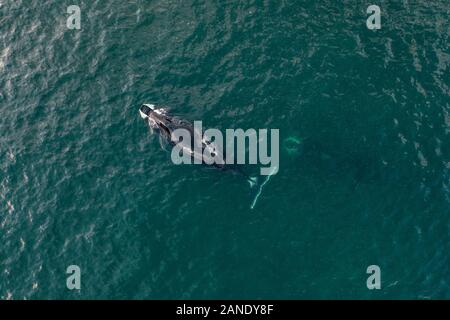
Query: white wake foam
point(275, 169)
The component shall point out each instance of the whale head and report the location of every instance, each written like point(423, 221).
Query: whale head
point(145, 110)
point(156, 118)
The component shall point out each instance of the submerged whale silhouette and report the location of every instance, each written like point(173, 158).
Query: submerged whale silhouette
point(165, 124)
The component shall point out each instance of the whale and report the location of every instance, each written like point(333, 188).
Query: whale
point(163, 123)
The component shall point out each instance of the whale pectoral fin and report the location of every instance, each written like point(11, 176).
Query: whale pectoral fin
point(162, 143)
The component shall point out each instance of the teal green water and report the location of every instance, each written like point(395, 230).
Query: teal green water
point(364, 119)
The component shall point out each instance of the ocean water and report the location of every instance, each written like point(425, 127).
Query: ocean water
point(364, 119)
